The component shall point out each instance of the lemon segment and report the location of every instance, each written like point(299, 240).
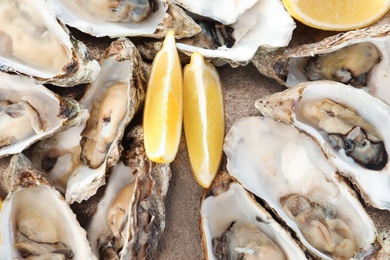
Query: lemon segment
point(204, 118)
point(337, 15)
point(162, 118)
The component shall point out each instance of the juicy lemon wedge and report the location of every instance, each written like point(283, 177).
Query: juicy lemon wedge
point(162, 118)
point(337, 15)
point(204, 118)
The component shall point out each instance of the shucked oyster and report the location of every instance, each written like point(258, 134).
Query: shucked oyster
point(235, 226)
point(36, 222)
point(30, 112)
point(130, 217)
point(80, 157)
point(35, 44)
point(350, 125)
point(125, 17)
point(289, 172)
point(359, 58)
point(266, 24)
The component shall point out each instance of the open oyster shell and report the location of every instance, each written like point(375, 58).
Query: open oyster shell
point(29, 112)
point(35, 44)
point(130, 217)
point(234, 225)
point(359, 58)
point(80, 157)
point(266, 25)
point(36, 222)
point(286, 169)
point(350, 125)
point(162, 15)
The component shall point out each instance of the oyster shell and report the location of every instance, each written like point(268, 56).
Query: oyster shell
point(351, 126)
point(81, 156)
point(234, 225)
point(130, 217)
point(266, 25)
point(359, 58)
point(87, 17)
point(289, 172)
point(35, 44)
point(226, 12)
point(36, 222)
point(29, 112)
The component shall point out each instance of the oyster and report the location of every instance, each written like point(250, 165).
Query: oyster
point(289, 172)
point(359, 58)
point(80, 157)
point(234, 226)
point(30, 112)
point(125, 18)
point(36, 222)
point(130, 217)
point(350, 125)
point(266, 24)
point(35, 44)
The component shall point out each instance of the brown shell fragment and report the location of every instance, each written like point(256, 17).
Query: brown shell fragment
point(149, 207)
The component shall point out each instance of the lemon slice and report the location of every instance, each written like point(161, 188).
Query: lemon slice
point(162, 119)
point(204, 118)
point(337, 15)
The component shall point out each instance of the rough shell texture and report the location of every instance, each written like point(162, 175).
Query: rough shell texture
point(148, 212)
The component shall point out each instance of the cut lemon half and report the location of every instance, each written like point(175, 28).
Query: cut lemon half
point(204, 118)
point(162, 118)
point(337, 15)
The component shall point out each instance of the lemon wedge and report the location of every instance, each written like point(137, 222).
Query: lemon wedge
point(337, 15)
point(204, 118)
point(162, 118)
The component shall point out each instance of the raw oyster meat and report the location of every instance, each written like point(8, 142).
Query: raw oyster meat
point(35, 44)
point(30, 112)
point(36, 222)
point(130, 217)
point(286, 169)
point(266, 24)
point(116, 18)
point(359, 58)
point(80, 157)
point(234, 225)
point(350, 125)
